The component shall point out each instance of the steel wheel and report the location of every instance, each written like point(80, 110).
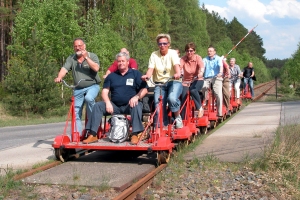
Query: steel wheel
point(203, 130)
point(62, 154)
point(163, 157)
point(193, 138)
point(213, 124)
point(234, 109)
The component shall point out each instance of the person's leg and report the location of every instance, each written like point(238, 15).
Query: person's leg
point(94, 122)
point(157, 91)
point(136, 117)
point(226, 92)
point(78, 104)
point(90, 96)
point(194, 89)
point(251, 87)
point(174, 92)
point(237, 88)
point(183, 98)
point(204, 89)
point(217, 88)
point(245, 85)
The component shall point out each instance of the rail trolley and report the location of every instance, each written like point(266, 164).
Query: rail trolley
point(157, 140)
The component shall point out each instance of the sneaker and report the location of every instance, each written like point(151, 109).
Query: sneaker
point(179, 123)
point(134, 139)
point(90, 139)
point(200, 113)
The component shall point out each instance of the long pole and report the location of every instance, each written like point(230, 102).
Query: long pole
point(240, 41)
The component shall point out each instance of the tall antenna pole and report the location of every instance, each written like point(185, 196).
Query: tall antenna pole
point(240, 41)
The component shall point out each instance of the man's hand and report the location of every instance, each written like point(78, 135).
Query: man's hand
point(177, 76)
point(57, 80)
point(109, 107)
point(144, 78)
point(134, 101)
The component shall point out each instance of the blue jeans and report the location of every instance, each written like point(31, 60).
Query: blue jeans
point(250, 82)
point(88, 96)
point(170, 93)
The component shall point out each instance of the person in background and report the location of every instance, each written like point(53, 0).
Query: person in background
point(164, 64)
point(192, 66)
point(235, 74)
point(126, 88)
point(248, 75)
point(132, 64)
point(226, 85)
point(213, 74)
point(84, 65)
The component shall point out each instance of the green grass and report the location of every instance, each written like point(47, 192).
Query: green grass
point(8, 120)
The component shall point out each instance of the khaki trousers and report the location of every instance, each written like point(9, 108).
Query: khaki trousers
point(217, 84)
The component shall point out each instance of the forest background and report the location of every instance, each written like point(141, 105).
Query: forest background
point(37, 36)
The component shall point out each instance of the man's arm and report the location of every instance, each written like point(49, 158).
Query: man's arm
point(63, 71)
point(133, 64)
point(148, 74)
point(104, 95)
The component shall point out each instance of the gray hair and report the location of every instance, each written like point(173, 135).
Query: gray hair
point(163, 35)
point(121, 54)
point(232, 59)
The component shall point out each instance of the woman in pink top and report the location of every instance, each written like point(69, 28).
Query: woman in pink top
point(193, 67)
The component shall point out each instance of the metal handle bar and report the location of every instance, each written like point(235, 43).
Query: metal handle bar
point(161, 84)
point(74, 86)
point(190, 82)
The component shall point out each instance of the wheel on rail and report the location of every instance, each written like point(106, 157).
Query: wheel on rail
point(203, 130)
point(193, 138)
point(228, 113)
point(163, 157)
point(221, 119)
point(213, 124)
point(62, 154)
point(234, 109)
point(225, 117)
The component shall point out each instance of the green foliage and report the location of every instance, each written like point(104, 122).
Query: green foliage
point(101, 39)
point(292, 67)
point(188, 26)
point(29, 82)
point(54, 23)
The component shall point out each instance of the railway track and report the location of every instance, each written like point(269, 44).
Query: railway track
point(138, 187)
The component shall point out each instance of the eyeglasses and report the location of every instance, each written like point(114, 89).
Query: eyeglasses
point(189, 51)
point(163, 43)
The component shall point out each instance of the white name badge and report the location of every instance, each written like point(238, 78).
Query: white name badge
point(129, 82)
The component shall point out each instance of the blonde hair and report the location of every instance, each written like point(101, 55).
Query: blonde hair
point(163, 35)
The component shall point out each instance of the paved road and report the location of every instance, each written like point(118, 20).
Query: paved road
point(15, 136)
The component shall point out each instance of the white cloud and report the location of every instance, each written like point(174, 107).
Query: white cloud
point(252, 9)
point(280, 37)
point(284, 8)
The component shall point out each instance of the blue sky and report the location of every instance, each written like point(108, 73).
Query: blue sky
point(278, 22)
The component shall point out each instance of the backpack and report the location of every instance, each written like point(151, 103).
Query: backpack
point(119, 128)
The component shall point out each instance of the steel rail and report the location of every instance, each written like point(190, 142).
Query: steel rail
point(140, 186)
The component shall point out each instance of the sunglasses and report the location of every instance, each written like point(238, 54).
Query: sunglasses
point(189, 51)
point(162, 43)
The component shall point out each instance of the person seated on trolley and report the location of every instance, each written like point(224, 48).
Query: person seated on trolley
point(114, 67)
point(213, 74)
point(235, 74)
point(164, 64)
point(126, 89)
point(248, 75)
point(192, 66)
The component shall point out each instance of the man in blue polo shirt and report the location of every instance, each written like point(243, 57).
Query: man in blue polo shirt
point(126, 88)
point(213, 74)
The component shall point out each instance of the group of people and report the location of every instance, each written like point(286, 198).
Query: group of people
point(127, 86)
